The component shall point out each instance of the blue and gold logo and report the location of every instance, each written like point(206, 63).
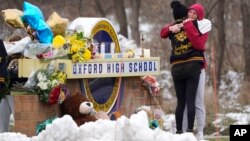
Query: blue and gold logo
point(105, 93)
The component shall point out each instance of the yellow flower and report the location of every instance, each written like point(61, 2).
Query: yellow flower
point(74, 48)
point(81, 43)
point(72, 39)
point(78, 50)
point(61, 81)
point(75, 57)
point(87, 54)
point(61, 77)
point(58, 42)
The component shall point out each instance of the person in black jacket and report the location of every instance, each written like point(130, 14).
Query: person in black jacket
point(186, 60)
point(8, 49)
point(196, 30)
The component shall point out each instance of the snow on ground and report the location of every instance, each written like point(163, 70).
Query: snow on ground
point(169, 123)
point(228, 93)
point(166, 83)
point(240, 118)
point(134, 128)
point(229, 89)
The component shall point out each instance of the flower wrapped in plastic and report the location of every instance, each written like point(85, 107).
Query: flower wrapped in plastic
point(79, 46)
point(58, 41)
point(60, 47)
point(49, 85)
point(33, 50)
point(75, 47)
point(151, 83)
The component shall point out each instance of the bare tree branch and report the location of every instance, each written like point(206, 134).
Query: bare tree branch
point(222, 38)
point(245, 5)
point(80, 8)
point(121, 16)
point(135, 20)
point(99, 8)
point(230, 60)
point(189, 2)
point(211, 8)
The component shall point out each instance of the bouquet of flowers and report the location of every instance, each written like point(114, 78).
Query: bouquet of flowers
point(49, 85)
point(78, 45)
point(151, 83)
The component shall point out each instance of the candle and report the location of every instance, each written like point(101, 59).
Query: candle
point(146, 53)
point(102, 48)
point(112, 48)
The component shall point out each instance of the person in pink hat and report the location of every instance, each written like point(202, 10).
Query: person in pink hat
point(196, 12)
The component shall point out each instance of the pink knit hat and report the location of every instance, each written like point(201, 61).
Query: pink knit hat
point(199, 10)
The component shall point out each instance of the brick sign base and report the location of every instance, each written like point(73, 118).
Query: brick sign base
point(29, 111)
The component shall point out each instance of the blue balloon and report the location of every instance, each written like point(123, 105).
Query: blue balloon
point(33, 16)
point(45, 35)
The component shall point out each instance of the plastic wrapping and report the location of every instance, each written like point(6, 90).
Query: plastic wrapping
point(151, 83)
point(33, 49)
point(42, 126)
point(31, 82)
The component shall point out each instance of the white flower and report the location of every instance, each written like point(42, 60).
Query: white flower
point(79, 29)
point(43, 85)
point(87, 35)
point(41, 77)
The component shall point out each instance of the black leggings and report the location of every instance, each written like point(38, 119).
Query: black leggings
point(186, 93)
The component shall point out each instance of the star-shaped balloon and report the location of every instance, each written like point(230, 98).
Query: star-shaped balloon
point(57, 24)
point(13, 17)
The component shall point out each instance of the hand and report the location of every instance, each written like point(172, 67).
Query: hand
point(187, 20)
point(180, 25)
point(174, 28)
point(31, 32)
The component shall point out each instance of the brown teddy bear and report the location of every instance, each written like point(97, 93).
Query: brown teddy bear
point(79, 108)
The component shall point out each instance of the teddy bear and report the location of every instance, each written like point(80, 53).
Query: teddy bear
point(79, 108)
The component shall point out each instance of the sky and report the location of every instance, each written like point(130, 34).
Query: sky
point(134, 128)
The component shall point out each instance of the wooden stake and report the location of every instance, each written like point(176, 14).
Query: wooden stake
point(142, 47)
